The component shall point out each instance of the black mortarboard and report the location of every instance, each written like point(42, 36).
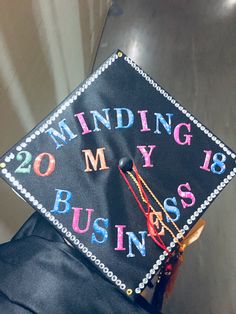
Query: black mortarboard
point(121, 170)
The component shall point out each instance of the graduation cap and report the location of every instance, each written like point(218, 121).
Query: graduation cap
point(122, 171)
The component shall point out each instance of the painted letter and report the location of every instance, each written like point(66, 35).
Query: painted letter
point(76, 218)
point(156, 224)
point(120, 122)
point(140, 246)
point(89, 157)
point(98, 117)
point(59, 200)
point(56, 136)
point(171, 209)
point(83, 123)
point(187, 137)
point(100, 231)
point(186, 195)
point(146, 154)
point(143, 115)
point(120, 237)
point(167, 125)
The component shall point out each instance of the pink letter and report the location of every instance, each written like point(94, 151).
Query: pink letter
point(186, 195)
point(75, 223)
point(120, 237)
point(144, 120)
point(146, 154)
point(83, 123)
point(187, 137)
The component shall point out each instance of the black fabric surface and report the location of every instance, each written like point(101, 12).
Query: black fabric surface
point(40, 273)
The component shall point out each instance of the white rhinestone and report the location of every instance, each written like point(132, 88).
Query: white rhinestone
point(141, 285)
point(12, 179)
point(48, 215)
point(105, 270)
point(145, 280)
point(202, 128)
point(169, 248)
point(4, 171)
point(114, 278)
point(123, 286)
point(232, 173)
point(93, 258)
point(221, 145)
point(137, 290)
point(35, 202)
point(118, 282)
point(55, 222)
point(173, 101)
point(229, 177)
point(28, 140)
point(15, 183)
point(206, 203)
point(193, 217)
point(81, 246)
point(154, 85)
point(52, 218)
point(18, 148)
point(165, 95)
point(177, 105)
point(219, 188)
point(31, 198)
point(158, 88)
point(199, 124)
point(179, 236)
point(222, 184)
point(199, 210)
point(213, 195)
point(152, 271)
point(73, 238)
point(68, 234)
point(169, 97)
point(165, 253)
point(89, 254)
point(84, 249)
point(162, 257)
point(209, 198)
point(110, 274)
point(37, 132)
point(97, 262)
point(172, 244)
point(155, 266)
point(64, 229)
point(233, 155)
point(59, 225)
point(76, 241)
point(23, 145)
point(39, 206)
point(181, 108)
point(196, 213)
point(101, 265)
point(186, 228)
point(217, 141)
point(33, 136)
point(216, 191)
point(189, 221)
point(43, 210)
point(226, 181)
point(23, 191)
point(184, 111)
point(27, 194)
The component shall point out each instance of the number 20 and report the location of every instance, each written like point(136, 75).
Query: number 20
point(25, 166)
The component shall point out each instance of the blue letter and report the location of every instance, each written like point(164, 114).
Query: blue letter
point(120, 124)
point(140, 246)
point(171, 209)
point(99, 117)
point(59, 200)
point(99, 230)
point(167, 125)
point(55, 135)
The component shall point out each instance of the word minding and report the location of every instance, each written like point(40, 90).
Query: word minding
point(118, 118)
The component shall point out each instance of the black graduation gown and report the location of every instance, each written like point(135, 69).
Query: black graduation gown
point(40, 273)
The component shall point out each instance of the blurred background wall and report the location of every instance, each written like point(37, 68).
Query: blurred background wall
point(47, 47)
